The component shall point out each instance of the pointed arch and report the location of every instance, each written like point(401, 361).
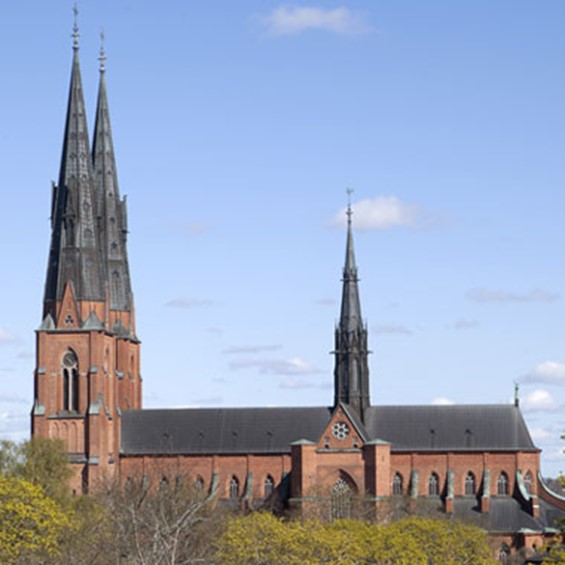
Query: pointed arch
point(433, 484)
point(199, 484)
point(397, 484)
point(233, 487)
point(69, 369)
point(502, 483)
point(528, 482)
point(470, 484)
point(268, 486)
point(341, 499)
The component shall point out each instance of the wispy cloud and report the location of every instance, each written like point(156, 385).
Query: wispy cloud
point(13, 399)
point(540, 434)
point(392, 329)
point(538, 400)
point(293, 366)
point(507, 297)
point(291, 20)
point(380, 213)
point(7, 337)
point(188, 302)
point(442, 401)
point(465, 324)
point(251, 349)
point(548, 372)
point(294, 383)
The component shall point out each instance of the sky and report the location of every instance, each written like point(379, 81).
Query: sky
point(238, 126)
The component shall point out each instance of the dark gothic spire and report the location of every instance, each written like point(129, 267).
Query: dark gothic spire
point(351, 374)
point(74, 254)
point(112, 209)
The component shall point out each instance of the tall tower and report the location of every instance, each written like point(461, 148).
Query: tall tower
point(87, 352)
point(351, 373)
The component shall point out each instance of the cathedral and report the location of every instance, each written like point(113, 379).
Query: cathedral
point(476, 463)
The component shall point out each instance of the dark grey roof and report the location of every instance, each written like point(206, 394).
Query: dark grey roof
point(220, 430)
point(454, 428)
point(272, 430)
point(505, 515)
point(74, 253)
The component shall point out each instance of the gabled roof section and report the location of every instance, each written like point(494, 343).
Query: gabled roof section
point(220, 430)
point(74, 253)
point(453, 428)
point(112, 208)
point(344, 430)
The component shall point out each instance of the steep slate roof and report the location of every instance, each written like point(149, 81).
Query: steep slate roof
point(454, 428)
point(272, 430)
point(220, 430)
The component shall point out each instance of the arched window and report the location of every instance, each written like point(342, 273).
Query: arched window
point(470, 484)
point(341, 500)
point(502, 483)
point(397, 484)
point(268, 486)
point(70, 381)
point(433, 485)
point(164, 484)
point(234, 487)
point(199, 484)
point(528, 482)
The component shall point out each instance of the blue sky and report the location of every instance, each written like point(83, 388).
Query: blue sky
point(239, 125)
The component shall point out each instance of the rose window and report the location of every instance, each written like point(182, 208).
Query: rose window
point(340, 430)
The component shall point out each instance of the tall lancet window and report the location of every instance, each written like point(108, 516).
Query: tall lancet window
point(70, 381)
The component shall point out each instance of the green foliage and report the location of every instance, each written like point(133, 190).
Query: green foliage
point(31, 524)
point(261, 538)
point(40, 461)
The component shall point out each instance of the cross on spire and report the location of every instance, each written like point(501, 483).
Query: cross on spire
point(102, 56)
point(76, 34)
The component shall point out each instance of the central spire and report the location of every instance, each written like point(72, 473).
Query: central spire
point(351, 373)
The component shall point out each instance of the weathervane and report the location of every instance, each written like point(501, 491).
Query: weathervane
point(76, 34)
point(349, 212)
point(102, 57)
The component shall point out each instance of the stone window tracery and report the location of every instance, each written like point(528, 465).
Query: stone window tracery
point(69, 366)
point(234, 487)
point(502, 483)
point(433, 485)
point(397, 481)
point(470, 484)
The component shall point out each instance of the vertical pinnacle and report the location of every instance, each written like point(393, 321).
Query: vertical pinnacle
point(76, 34)
point(102, 56)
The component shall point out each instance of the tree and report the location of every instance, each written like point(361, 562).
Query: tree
point(262, 539)
point(31, 524)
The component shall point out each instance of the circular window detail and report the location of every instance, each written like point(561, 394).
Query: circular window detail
point(340, 430)
point(70, 360)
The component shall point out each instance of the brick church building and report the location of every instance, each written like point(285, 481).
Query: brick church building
point(473, 462)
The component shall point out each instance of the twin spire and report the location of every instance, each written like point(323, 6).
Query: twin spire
point(88, 218)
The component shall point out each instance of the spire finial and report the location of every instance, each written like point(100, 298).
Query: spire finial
point(349, 212)
point(102, 56)
point(516, 394)
point(76, 34)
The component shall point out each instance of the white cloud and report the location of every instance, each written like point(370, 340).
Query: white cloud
point(548, 372)
point(294, 383)
point(7, 337)
point(442, 401)
point(187, 302)
point(539, 434)
point(538, 400)
point(506, 297)
point(209, 401)
point(251, 349)
point(288, 20)
point(293, 366)
point(380, 213)
point(398, 329)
